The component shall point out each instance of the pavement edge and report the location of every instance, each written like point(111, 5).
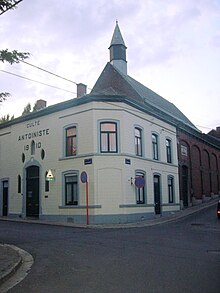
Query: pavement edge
point(12, 269)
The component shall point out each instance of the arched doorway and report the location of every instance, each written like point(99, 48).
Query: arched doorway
point(32, 191)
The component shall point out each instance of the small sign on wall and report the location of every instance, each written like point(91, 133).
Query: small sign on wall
point(88, 161)
point(127, 161)
point(50, 176)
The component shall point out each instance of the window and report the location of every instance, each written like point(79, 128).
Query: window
point(19, 183)
point(32, 148)
point(71, 141)
point(108, 137)
point(168, 150)
point(71, 189)
point(157, 198)
point(171, 189)
point(138, 141)
point(140, 192)
point(47, 183)
point(42, 154)
point(155, 146)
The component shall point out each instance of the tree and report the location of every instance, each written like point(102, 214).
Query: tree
point(13, 56)
point(5, 55)
point(3, 96)
point(35, 107)
point(6, 118)
point(5, 5)
point(26, 110)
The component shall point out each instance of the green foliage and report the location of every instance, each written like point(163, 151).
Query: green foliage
point(35, 107)
point(5, 55)
point(8, 4)
point(6, 118)
point(3, 96)
point(26, 110)
point(13, 56)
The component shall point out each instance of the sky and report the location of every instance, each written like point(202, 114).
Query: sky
point(173, 48)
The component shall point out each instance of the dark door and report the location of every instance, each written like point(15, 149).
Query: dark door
point(5, 198)
point(157, 203)
point(185, 186)
point(32, 191)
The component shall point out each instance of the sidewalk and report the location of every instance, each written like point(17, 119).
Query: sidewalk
point(10, 259)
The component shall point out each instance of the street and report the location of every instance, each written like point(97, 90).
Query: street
point(181, 256)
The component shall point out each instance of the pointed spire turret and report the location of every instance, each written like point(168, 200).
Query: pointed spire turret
point(118, 51)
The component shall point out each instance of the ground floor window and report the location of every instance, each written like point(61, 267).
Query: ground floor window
point(19, 183)
point(71, 189)
point(140, 191)
point(171, 189)
point(47, 183)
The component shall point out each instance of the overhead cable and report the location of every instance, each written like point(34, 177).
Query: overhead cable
point(26, 78)
point(47, 71)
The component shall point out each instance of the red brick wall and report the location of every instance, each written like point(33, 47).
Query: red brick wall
point(203, 162)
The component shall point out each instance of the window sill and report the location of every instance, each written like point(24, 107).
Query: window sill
point(135, 205)
point(80, 207)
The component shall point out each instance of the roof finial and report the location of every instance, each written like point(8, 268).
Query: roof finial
point(116, 21)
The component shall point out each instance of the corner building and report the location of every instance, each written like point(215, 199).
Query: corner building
point(122, 135)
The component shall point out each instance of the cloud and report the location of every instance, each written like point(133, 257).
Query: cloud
point(168, 44)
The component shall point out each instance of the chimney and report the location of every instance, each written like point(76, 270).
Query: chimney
point(218, 129)
point(40, 104)
point(81, 90)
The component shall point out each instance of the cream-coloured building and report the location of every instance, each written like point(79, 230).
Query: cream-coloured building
point(121, 135)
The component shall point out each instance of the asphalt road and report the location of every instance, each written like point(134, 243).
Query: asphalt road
point(182, 256)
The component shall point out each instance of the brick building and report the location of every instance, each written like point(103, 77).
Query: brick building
point(199, 166)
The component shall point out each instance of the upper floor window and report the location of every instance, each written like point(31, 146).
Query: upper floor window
point(138, 141)
point(171, 189)
point(108, 137)
point(168, 151)
point(155, 146)
point(32, 148)
point(71, 141)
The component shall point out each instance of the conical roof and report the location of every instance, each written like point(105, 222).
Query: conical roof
point(117, 37)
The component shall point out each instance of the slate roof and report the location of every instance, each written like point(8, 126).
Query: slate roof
point(112, 80)
point(117, 38)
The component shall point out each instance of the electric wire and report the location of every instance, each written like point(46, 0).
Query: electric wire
point(43, 83)
point(47, 71)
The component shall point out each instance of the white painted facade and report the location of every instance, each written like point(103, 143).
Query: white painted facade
point(111, 176)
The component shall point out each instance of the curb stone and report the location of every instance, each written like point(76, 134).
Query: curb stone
point(16, 271)
point(12, 268)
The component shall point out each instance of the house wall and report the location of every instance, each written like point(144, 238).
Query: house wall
point(112, 192)
point(203, 164)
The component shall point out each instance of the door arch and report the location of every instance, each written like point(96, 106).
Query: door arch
point(32, 191)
